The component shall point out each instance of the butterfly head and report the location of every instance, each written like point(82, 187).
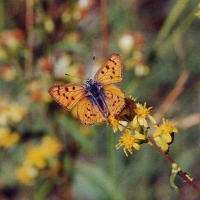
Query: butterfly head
point(89, 82)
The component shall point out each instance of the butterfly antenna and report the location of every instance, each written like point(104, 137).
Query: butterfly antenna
point(93, 58)
point(75, 76)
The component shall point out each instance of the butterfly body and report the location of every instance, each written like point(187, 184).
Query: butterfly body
point(97, 98)
point(95, 93)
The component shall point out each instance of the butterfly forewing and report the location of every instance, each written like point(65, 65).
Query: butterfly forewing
point(88, 112)
point(114, 99)
point(68, 95)
point(110, 71)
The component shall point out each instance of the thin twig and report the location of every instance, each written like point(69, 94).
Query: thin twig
point(29, 44)
point(172, 96)
point(168, 157)
point(104, 25)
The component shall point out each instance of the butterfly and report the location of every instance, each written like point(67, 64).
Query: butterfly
point(98, 98)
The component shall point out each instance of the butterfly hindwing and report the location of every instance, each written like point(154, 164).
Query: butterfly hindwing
point(114, 99)
point(68, 95)
point(110, 71)
point(88, 112)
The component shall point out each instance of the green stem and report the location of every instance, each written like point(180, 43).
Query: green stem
point(43, 190)
point(168, 157)
point(111, 161)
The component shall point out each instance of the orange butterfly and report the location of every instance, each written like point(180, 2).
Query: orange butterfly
point(97, 98)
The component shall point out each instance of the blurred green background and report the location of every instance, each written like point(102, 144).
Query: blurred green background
point(46, 153)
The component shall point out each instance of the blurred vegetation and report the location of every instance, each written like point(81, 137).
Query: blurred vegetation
point(46, 153)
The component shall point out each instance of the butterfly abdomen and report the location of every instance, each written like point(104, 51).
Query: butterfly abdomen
point(95, 93)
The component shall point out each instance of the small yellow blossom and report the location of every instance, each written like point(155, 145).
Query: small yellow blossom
point(38, 154)
point(163, 145)
point(3, 54)
point(17, 112)
point(166, 128)
point(11, 112)
point(35, 157)
point(141, 114)
point(197, 14)
point(163, 135)
point(26, 174)
point(116, 124)
point(49, 25)
point(175, 168)
point(8, 138)
point(50, 147)
point(130, 141)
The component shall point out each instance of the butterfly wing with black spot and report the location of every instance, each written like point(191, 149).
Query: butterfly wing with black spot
point(68, 95)
point(110, 71)
point(114, 99)
point(88, 112)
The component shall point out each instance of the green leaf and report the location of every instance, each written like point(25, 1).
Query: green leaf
point(172, 178)
point(100, 183)
point(73, 128)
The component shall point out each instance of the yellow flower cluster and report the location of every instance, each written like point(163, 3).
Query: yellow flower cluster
point(163, 136)
point(130, 141)
point(38, 157)
point(141, 114)
point(7, 137)
point(10, 112)
point(132, 121)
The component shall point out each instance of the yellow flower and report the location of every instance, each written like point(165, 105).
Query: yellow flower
point(116, 124)
point(166, 128)
point(16, 112)
point(130, 141)
point(50, 147)
point(163, 145)
point(197, 14)
point(11, 112)
point(141, 114)
point(26, 174)
point(49, 25)
point(8, 138)
point(35, 157)
point(163, 135)
point(3, 54)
